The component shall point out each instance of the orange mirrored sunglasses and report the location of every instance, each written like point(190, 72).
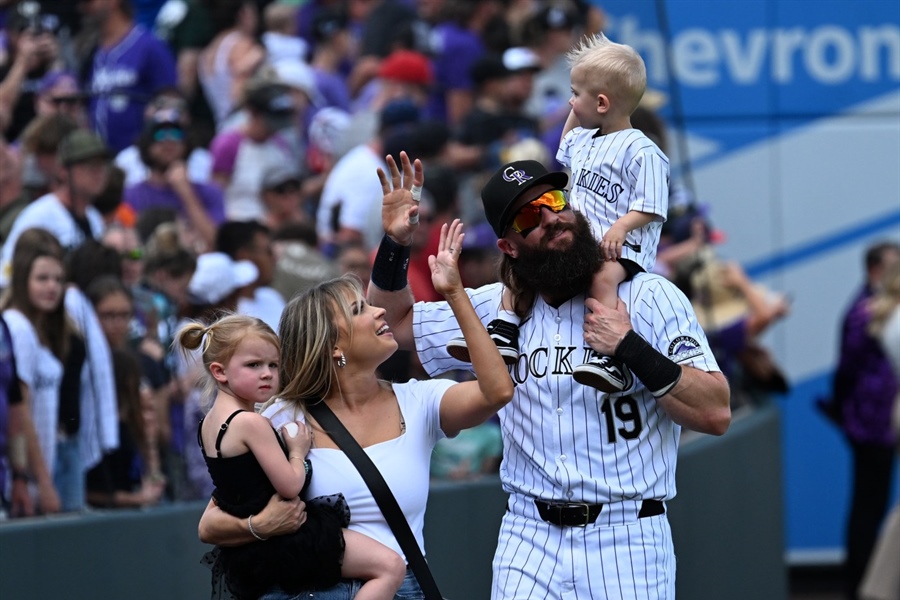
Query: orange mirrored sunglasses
point(529, 216)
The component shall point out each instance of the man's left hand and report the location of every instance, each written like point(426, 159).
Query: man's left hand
point(605, 327)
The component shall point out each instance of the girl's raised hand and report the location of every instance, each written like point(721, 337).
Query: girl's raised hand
point(444, 266)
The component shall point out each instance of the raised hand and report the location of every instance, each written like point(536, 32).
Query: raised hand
point(445, 265)
point(400, 206)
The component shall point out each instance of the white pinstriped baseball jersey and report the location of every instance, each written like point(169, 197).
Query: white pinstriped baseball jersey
point(616, 173)
point(567, 442)
point(563, 440)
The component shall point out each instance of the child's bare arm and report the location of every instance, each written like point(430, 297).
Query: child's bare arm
point(614, 238)
point(605, 285)
point(571, 123)
point(286, 475)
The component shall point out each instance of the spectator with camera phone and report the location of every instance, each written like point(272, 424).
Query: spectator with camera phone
point(32, 52)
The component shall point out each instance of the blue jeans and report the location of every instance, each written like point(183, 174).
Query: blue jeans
point(68, 474)
point(347, 589)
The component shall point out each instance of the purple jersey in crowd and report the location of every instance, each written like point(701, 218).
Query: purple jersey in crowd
point(144, 196)
point(453, 51)
point(122, 79)
point(864, 384)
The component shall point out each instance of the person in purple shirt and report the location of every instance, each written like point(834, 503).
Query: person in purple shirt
point(454, 46)
point(864, 389)
point(128, 67)
point(163, 147)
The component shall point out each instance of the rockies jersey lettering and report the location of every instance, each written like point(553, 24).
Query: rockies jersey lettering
point(536, 363)
point(599, 184)
point(616, 173)
point(566, 441)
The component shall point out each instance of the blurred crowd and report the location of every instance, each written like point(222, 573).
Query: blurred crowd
point(168, 160)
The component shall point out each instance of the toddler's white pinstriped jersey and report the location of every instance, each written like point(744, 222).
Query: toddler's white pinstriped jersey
point(565, 441)
point(616, 173)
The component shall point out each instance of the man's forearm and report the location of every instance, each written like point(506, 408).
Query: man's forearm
point(398, 306)
point(701, 401)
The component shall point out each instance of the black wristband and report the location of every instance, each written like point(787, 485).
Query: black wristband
point(307, 466)
point(656, 371)
point(390, 266)
point(19, 476)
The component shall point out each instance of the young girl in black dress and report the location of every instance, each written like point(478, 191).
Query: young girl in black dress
point(249, 462)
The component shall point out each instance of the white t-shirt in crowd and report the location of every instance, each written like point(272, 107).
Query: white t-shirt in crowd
point(353, 189)
point(48, 213)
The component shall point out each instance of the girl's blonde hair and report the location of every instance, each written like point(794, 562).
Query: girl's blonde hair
point(309, 330)
point(219, 341)
point(614, 69)
point(885, 300)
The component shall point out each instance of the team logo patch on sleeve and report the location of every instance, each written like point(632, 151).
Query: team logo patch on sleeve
point(683, 348)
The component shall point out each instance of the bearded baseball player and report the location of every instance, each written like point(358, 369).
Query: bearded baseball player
point(588, 474)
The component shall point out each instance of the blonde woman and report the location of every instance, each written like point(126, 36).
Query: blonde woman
point(332, 344)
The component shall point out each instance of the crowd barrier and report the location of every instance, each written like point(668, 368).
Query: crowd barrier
point(726, 522)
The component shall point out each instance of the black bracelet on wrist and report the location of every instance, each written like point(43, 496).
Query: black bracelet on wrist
point(390, 266)
point(19, 476)
point(308, 466)
point(659, 373)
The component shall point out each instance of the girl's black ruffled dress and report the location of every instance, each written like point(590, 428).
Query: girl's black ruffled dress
point(310, 558)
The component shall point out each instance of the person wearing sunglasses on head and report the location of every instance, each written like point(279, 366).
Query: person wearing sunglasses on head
point(588, 474)
point(164, 148)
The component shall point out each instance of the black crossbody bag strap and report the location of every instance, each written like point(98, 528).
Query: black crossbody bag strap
point(382, 494)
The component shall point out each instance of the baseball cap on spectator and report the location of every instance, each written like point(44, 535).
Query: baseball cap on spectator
point(273, 101)
point(327, 129)
point(81, 146)
point(489, 67)
point(217, 276)
point(327, 23)
point(54, 78)
point(508, 183)
point(299, 76)
point(520, 59)
point(280, 174)
point(407, 66)
point(169, 116)
point(556, 18)
point(399, 112)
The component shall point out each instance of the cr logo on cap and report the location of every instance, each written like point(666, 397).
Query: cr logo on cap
point(512, 175)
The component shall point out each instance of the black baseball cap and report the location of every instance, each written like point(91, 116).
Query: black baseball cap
point(509, 182)
point(327, 23)
point(274, 102)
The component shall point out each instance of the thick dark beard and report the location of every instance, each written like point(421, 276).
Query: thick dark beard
point(556, 274)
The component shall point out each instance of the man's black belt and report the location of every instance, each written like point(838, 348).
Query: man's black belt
point(582, 514)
